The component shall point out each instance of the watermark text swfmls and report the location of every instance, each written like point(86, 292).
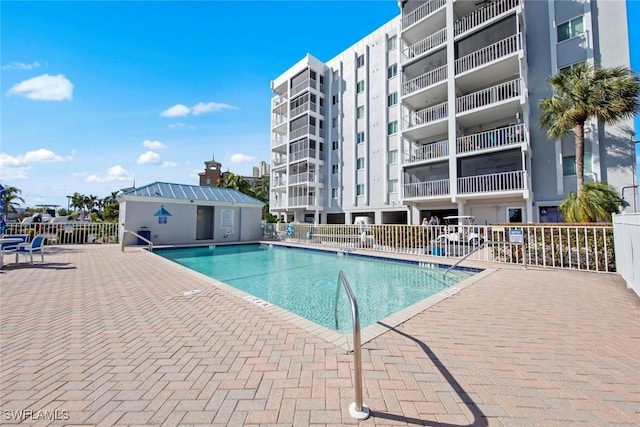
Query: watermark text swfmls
point(42, 415)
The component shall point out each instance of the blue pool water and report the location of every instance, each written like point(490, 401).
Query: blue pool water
point(305, 281)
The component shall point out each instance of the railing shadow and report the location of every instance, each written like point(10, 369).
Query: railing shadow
point(479, 419)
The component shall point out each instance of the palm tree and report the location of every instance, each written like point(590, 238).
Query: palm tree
point(584, 92)
point(235, 182)
point(77, 201)
point(260, 188)
point(9, 197)
point(596, 202)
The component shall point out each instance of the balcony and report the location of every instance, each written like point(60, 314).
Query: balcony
point(429, 13)
point(423, 46)
point(304, 177)
point(415, 124)
point(492, 139)
point(278, 184)
point(438, 188)
point(483, 15)
point(489, 54)
point(306, 84)
point(433, 151)
point(492, 183)
point(302, 154)
point(417, 86)
point(304, 201)
point(307, 106)
point(278, 140)
point(487, 105)
point(277, 101)
point(304, 130)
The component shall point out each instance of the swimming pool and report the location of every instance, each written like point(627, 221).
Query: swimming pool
point(304, 281)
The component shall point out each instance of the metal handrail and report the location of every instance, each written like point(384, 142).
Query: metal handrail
point(138, 236)
point(357, 409)
point(480, 246)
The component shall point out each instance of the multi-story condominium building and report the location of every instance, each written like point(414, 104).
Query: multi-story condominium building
point(435, 113)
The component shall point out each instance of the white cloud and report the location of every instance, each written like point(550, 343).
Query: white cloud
point(11, 173)
point(41, 155)
point(114, 173)
point(177, 110)
point(153, 145)
point(176, 125)
point(168, 164)
point(201, 107)
point(180, 110)
point(44, 88)
point(150, 157)
point(21, 66)
point(241, 158)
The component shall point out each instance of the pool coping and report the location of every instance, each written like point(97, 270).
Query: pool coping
point(342, 340)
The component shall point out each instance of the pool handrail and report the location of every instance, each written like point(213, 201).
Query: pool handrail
point(477, 248)
point(138, 236)
point(357, 409)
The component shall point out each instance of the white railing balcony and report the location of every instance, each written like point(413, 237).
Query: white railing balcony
point(304, 130)
point(431, 114)
point(275, 183)
point(302, 154)
point(302, 86)
point(421, 12)
point(512, 135)
point(301, 109)
point(424, 81)
point(493, 182)
point(424, 45)
point(484, 14)
point(277, 140)
point(481, 98)
point(490, 53)
point(278, 162)
point(276, 203)
point(304, 201)
point(436, 188)
point(434, 150)
point(302, 177)
point(277, 120)
point(278, 100)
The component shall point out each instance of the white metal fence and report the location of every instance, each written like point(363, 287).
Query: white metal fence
point(69, 233)
point(626, 229)
point(587, 247)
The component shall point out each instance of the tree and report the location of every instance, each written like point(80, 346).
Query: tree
point(9, 197)
point(77, 201)
point(596, 202)
point(235, 182)
point(584, 92)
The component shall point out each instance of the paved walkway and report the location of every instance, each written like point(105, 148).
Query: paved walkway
point(99, 337)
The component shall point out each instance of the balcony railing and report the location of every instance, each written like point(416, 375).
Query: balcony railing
point(277, 120)
point(424, 80)
point(503, 181)
point(278, 100)
point(304, 130)
point(275, 183)
point(302, 86)
point(435, 150)
point(490, 53)
point(304, 177)
point(278, 162)
point(439, 187)
point(303, 108)
point(277, 140)
point(431, 114)
point(498, 93)
point(302, 154)
point(511, 135)
point(425, 45)
point(482, 15)
point(421, 12)
point(304, 201)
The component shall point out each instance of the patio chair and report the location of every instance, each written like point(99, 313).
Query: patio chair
point(36, 245)
point(10, 243)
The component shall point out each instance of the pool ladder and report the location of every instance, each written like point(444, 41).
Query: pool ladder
point(477, 248)
point(357, 409)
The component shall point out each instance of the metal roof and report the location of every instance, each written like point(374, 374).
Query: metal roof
point(191, 192)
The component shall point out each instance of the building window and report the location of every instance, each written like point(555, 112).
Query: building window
point(360, 190)
point(393, 185)
point(391, 43)
point(360, 112)
point(571, 29)
point(334, 122)
point(334, 99)
point(335, 192)
point(569, 165)
point(392, 127)
point(392, 157)
point(360, 138)
point(360, 163)
point(514, 214)
point(334, 169)
point(360, 61)
point(392, 71)
point(392, 99)
point(360, 86)
point(335, 145)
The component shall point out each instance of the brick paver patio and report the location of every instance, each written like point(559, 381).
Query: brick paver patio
point(95, 336)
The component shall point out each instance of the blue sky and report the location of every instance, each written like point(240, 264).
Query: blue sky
point(97, 94)
point(633, 16)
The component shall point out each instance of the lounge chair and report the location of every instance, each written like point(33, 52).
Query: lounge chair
point(10, 244)
point(36, 245)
